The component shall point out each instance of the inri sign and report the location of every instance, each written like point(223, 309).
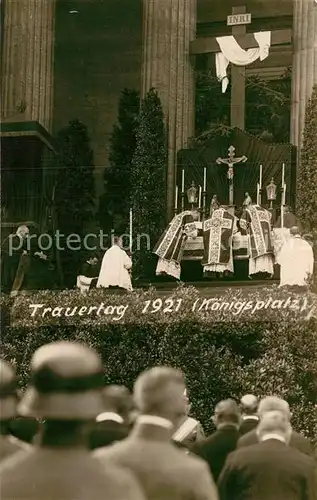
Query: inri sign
point(235, 19)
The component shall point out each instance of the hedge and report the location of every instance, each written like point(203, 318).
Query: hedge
point(269, 351)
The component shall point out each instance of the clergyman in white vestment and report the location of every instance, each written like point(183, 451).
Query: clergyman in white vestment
point(115, 268)
point(296, 260)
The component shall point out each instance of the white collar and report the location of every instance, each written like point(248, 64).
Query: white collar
point(155, 420)
point(109, 415)
point(272, 435)
point(250, 417)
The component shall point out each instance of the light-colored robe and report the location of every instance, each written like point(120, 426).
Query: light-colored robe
point(297, 262)
point(115, 269)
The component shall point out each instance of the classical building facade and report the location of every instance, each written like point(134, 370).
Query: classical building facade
point(70, 59)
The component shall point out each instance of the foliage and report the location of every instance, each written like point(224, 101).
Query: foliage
point(267, 106)
point(115, 203)
point(149, 180)
point(307, 174)
point(75, 189)
point(220, 359)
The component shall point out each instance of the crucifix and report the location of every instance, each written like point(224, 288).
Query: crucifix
point(230, 161)
point(207, 45)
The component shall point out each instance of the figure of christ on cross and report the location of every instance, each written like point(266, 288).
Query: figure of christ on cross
point(207, 45)
point(230, 161)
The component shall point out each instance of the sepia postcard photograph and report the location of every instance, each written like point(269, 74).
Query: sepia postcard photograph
point(158, 250)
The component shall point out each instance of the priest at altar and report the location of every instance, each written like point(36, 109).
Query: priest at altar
point(170, 246)
point(296, 260)
point(256, 221)
point(218, 232)
point(115, 268)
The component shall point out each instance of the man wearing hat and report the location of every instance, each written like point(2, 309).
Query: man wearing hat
point(217, 447)
point(67, 379)
point(249, 405)
point(9, 445)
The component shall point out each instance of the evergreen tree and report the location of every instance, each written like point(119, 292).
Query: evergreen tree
point(307, 174)
point(75, 190)
point(149, 181)
point(115, 203)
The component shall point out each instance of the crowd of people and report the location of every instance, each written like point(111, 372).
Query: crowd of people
point(70, 437)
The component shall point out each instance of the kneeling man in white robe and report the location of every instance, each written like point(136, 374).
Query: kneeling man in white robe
point(115, 267)
point(296, 260)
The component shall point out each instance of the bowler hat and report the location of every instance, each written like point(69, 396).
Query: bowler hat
point(66, 384)
point(8, 391)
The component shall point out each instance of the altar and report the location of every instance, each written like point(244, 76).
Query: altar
point(194, 247)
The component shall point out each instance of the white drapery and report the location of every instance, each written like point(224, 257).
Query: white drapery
point(232, 52)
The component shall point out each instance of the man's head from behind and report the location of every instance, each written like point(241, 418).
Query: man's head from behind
point(294, 231)
point(117, 240)
point(227, 412)
point(273, 403)
point(159, 391)
point(249, 404)
point(23, 231)
point(274, 423)
point(118, 399)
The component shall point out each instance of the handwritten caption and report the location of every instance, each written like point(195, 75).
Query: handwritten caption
point(174, 306)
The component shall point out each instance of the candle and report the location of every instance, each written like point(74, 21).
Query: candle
point(258, 193)
point(176, 197)
point(284, 194)
point(183, 181)
point(199, 198)
point(205, 179)
point(130, 230)
point(260, 181)
point(283, 175)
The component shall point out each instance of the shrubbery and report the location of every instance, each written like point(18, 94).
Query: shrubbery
point(221, 356)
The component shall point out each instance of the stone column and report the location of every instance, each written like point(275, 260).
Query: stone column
point(27, 62)
point(168, 28)
point(304, 73)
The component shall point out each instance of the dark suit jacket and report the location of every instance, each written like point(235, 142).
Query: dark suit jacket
point(270, 470)
point(297, 441)
point(106, 432)
point(164, 472)
point(248, 424)
point(216, 448)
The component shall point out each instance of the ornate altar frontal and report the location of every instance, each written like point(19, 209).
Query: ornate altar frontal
point(194, 247)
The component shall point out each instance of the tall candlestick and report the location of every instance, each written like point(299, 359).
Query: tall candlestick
point(260, 181)
point(205, 178)
point(176, 197)
point(199, 198)
point(283, 175)
point(183, 181)
point(284, 194)
point(258, 193)
point(130, 243)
